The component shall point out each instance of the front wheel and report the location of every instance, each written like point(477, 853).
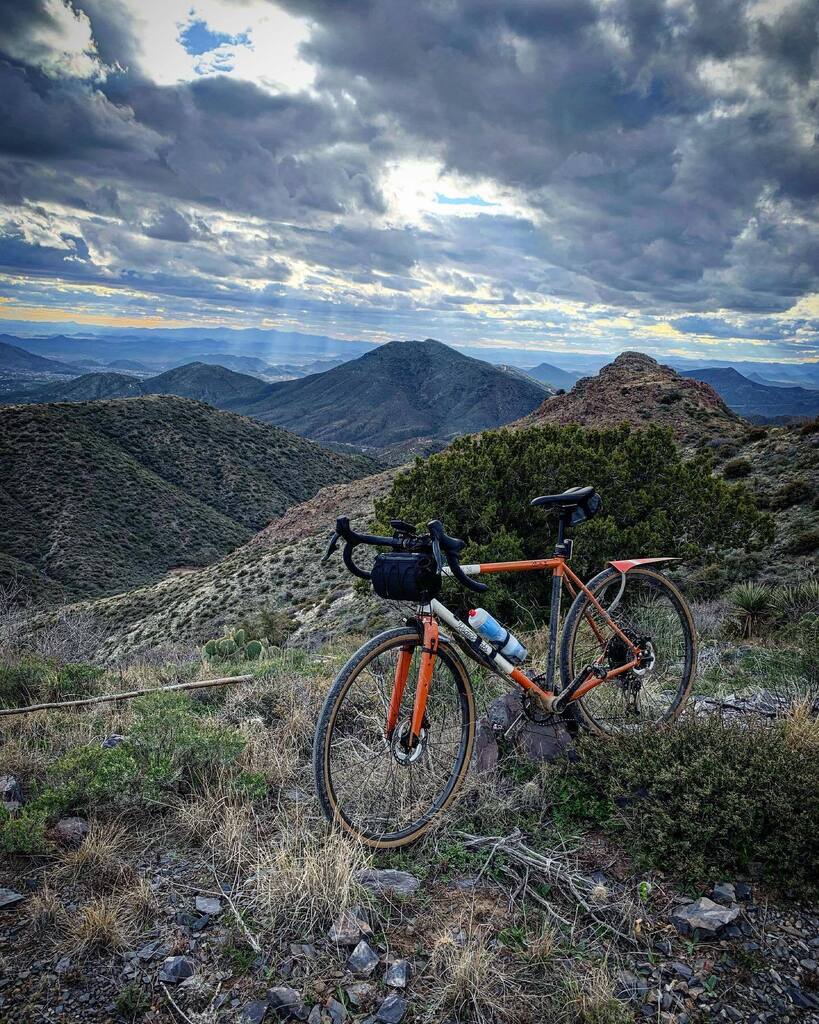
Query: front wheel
point(652, 613)
point(372, 784)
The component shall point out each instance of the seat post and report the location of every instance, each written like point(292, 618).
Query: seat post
point(563, 546)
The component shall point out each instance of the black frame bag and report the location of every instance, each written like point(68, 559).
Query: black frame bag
point(404, 576)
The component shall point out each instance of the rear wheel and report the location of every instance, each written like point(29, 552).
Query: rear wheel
point(371, 784)
point(653, 614)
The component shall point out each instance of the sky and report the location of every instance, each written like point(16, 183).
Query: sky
point(537, 175)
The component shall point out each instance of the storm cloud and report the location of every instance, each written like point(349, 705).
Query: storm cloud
point(535, 173)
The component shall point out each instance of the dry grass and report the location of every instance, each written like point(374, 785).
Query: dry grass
point(227, 831)
point(802, 727)
point(46, 912)
point(305, 875)
point(590, 999)
point(140, 901)
point(471, 982)
point(102, 924)
point(275, 753)
point(99, 860)
point(542, 946)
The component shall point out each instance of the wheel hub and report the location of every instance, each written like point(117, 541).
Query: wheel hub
point(401, 750)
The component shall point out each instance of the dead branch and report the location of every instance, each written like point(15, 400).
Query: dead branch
point(572, 884)
point(127, 695)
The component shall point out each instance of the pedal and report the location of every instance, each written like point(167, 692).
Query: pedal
point(566, 696)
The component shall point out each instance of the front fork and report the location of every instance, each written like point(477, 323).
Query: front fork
point(429, 651)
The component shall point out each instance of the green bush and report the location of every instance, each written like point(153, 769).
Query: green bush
point(736, 468)
point(708, 797)
point(804, 543)
point(31, 679)
point(173, 745)
point(25, 833)
point(654, 502)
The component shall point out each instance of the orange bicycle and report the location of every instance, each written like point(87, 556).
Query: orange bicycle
point(394, 739)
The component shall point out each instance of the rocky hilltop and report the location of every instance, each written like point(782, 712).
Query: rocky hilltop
point(636, 389)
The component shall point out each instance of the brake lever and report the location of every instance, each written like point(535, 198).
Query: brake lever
point(436, 550)
point(330, 549)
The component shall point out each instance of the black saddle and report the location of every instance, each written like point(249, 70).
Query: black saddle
point(581, 502)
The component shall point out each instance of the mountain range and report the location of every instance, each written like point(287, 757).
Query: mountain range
point(755, 400)
point(14, 359)
point(109, 495)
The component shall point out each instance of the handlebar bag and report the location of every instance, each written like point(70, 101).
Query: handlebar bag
point(405, 576)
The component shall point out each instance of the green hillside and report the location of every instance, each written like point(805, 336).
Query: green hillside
point(101, 497)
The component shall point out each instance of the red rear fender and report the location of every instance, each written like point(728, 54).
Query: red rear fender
point(624, 564)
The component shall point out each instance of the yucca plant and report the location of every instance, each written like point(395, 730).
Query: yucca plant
point(752, 606)
point(794, 600)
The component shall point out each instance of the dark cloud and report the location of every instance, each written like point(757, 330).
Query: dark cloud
point(658, 156)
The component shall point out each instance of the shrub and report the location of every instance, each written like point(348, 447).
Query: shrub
point(804, 543)
point(734, 469)
point(752, 605)
point(792, 493)
point(32, 678)
point(173, 745)
point(710, 796)
point(655, 503)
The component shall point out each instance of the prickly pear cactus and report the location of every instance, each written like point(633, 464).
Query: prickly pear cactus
point(234, 647)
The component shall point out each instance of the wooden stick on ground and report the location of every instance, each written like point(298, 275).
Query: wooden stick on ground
point(198, 685)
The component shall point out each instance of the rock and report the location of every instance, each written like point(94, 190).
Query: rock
point(11, 793)
point(209, 905)
point(744, 891)
point(350, 928)
point(175, 969)
point(362, 961)
point(380, 881)
point(629, 987)
point(315, 1015)
point(485, 752)
point(398, 974)
point(71, 831)
point(724, 893)
point(253, 1013)
point(112, 741)
point(361, 993)
point(149, 951)
point(683, 970)
point(539, 741)
point(392, 1010)
point(9, 896)
point(335, 1010)
point(287, 1003)
point(703, 915)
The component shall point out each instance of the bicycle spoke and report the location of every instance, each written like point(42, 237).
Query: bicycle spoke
point(387, 791)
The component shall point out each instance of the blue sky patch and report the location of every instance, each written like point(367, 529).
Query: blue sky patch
point(198, 38)
point(461, 200)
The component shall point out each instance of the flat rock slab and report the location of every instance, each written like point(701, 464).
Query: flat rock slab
point(703, 915)
point(287, 1003)
point(388, 880)
point(253, 1013)
point(209, 905)
point(8, 897)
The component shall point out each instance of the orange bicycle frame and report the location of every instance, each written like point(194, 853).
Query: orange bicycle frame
point(430, 613)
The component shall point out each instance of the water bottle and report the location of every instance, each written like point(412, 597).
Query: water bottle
point(501, 639)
